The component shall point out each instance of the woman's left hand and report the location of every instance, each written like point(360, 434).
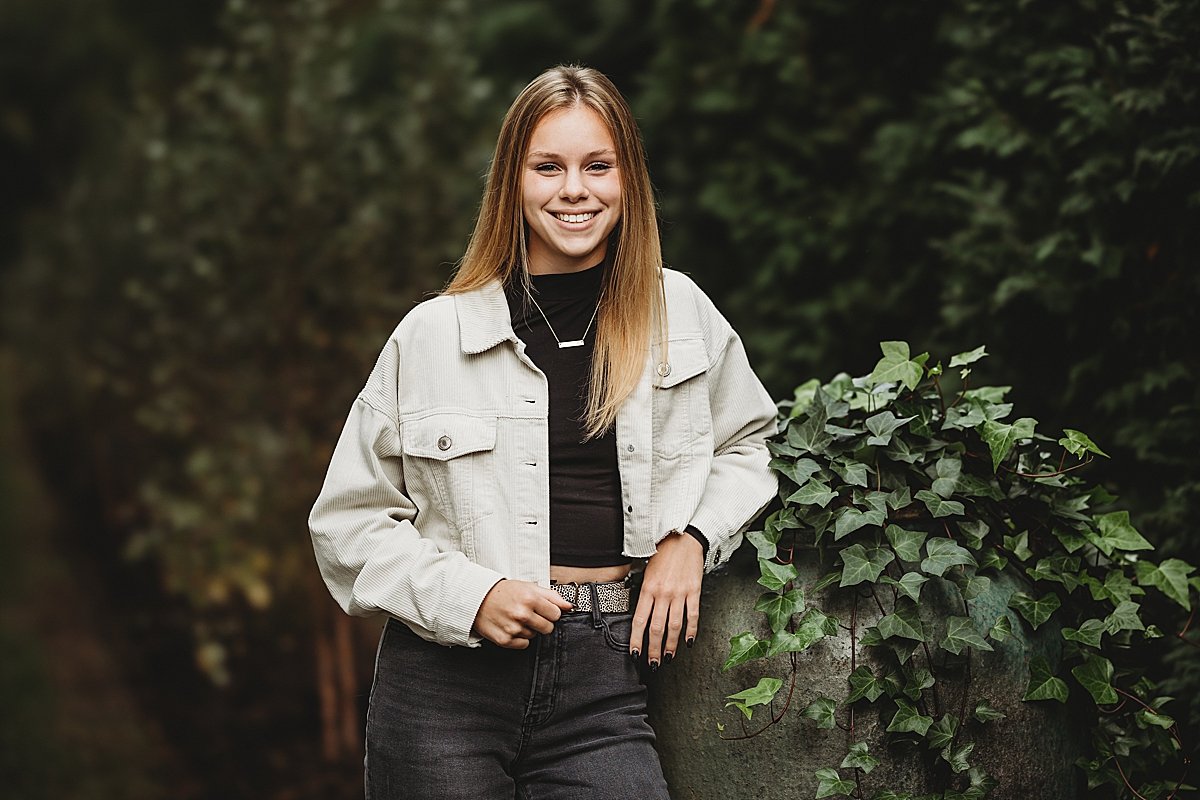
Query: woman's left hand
point(670, 594)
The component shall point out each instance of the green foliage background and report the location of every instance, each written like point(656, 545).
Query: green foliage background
point(217, 213)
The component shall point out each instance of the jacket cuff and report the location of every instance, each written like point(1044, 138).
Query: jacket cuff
point(461, 605)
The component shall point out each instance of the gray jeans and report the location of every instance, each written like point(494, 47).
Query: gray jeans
point(565, 718)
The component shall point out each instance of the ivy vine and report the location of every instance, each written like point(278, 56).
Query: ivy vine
point(903, 484)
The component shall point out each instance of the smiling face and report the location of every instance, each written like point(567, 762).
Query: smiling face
point(570, 191)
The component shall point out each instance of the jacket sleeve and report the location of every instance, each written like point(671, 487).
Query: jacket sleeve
point(370, 554)
point(740, 483)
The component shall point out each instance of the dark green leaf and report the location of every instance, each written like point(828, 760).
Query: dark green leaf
point(759, 695)
point(908, 720)
point(1158, 720)
point(1078, 443)
point(812, 493)
point(780, 607)
point(985, 713)
point(830, 784)
point(910, 584)
point(941, 733)
point(904, 622)
point(859, 758)
point(1043, 683)
point(899, 498)
point(1124, 618)
point(853, 472)
point(1116, 533)
point(862, 564)
point(850, 519)
point(744, 647)
point(957, 758)
point(812, 628)
point(798, 471)
point(1171, 577)
point(1001, 629)
point(1000, 437)
point(827, 579)
point(947, 469)
point(775, 576)
point(764, 542)
point(960, 634)
point(1018, 545)
point(883, 425)
point(974, 532)
point(906, 543)
point(1035, 610)
point(1089, 633)
point(864, 684)
point(942, 554)
point(991, 559)
point(822, 712)
point(896, 367)
point(1095, 674)
point(939, 507)
point(918, 681)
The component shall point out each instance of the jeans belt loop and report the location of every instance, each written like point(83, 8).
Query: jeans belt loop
point(596, 621)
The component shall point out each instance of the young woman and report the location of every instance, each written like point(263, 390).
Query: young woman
point(566, 409)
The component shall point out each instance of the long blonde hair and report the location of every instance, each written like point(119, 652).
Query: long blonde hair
point(631, 300)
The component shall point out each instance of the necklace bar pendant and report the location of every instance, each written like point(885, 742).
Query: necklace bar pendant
point(571, 343)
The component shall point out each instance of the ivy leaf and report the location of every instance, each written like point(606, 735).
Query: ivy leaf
point(780, 607)
point(1089, 633)
point(903, 622)
point(764, 542)
point(888, 794)
point(941, 554)
point(1124, 618)
point(1154, 718)
point(1000, 437)
point(863, 683)
point(910, 584)
point(960, 634)
point(883, 425)
point(1019, 546)
point(906, 543)
point(797, 471)
point(1077, 443)
point(810, 436)
point(812, 493)
point(812, 628)
point(908, 720)
point(1095, 674)
point(1171, 577)
point(1044, 684)
point(759, 695)
point(918, 681)
point(969, 357)
point(957, 758)
point(851, 519)
point(742, 648)
point(853, 472)
point(859, 758)
point(829, 784)
point(862, 564)
point(973, 532)
point(939, 507)
point(991, 559)
point(1117, 534)
point(822, 712)
point(1035, 611)
point(947, 469)
point(896, 367)
point(985, 713)
point(941, 733)
point(1001, 629)
point(775, 575)
point(827, 579)
point(899, 498)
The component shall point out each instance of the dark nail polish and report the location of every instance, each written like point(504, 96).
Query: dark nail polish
point(654, 666)
point(691, 642)
point(667, 658)
point(634, 655)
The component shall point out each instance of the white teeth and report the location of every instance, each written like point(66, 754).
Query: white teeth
point(576, 217)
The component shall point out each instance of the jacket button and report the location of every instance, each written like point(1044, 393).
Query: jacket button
point(631, 448)
point(664, 369)
point(444, 443)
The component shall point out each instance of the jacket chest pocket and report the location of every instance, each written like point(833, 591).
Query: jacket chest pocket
point(453, 454)
point(681, 412)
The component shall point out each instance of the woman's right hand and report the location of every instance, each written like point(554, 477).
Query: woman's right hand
point(513, 612)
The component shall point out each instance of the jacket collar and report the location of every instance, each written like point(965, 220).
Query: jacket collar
point(483, 318)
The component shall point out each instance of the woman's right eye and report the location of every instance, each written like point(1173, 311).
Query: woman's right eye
point(546, 168)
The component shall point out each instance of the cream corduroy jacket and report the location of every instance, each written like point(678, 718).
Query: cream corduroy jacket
point(438, 487)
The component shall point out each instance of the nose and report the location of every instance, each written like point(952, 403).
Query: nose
point(574, 188)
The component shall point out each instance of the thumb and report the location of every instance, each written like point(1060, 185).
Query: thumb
point(558, 600)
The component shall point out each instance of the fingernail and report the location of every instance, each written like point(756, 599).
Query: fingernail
point(654, 666)
point(634, 655)
point(667, 658)
point(691, 641)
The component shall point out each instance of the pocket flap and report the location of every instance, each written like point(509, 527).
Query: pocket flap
point(444, 436)
point(686, 359)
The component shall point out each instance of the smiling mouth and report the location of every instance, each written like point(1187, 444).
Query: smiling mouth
point(584, 217)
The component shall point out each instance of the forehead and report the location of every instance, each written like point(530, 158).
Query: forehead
point(571, 131)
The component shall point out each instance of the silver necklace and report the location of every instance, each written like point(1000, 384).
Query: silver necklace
point(571, 342)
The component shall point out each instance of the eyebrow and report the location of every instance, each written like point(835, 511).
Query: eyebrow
point(607, 151)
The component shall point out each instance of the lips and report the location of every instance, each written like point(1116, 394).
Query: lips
point(574, 218)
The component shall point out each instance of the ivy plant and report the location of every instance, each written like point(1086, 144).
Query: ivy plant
point(902, 482)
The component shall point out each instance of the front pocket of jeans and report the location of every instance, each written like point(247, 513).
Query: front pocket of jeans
point(617, 630)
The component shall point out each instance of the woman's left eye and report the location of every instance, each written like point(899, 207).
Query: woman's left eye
point(599, 166)
point(545, 168)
